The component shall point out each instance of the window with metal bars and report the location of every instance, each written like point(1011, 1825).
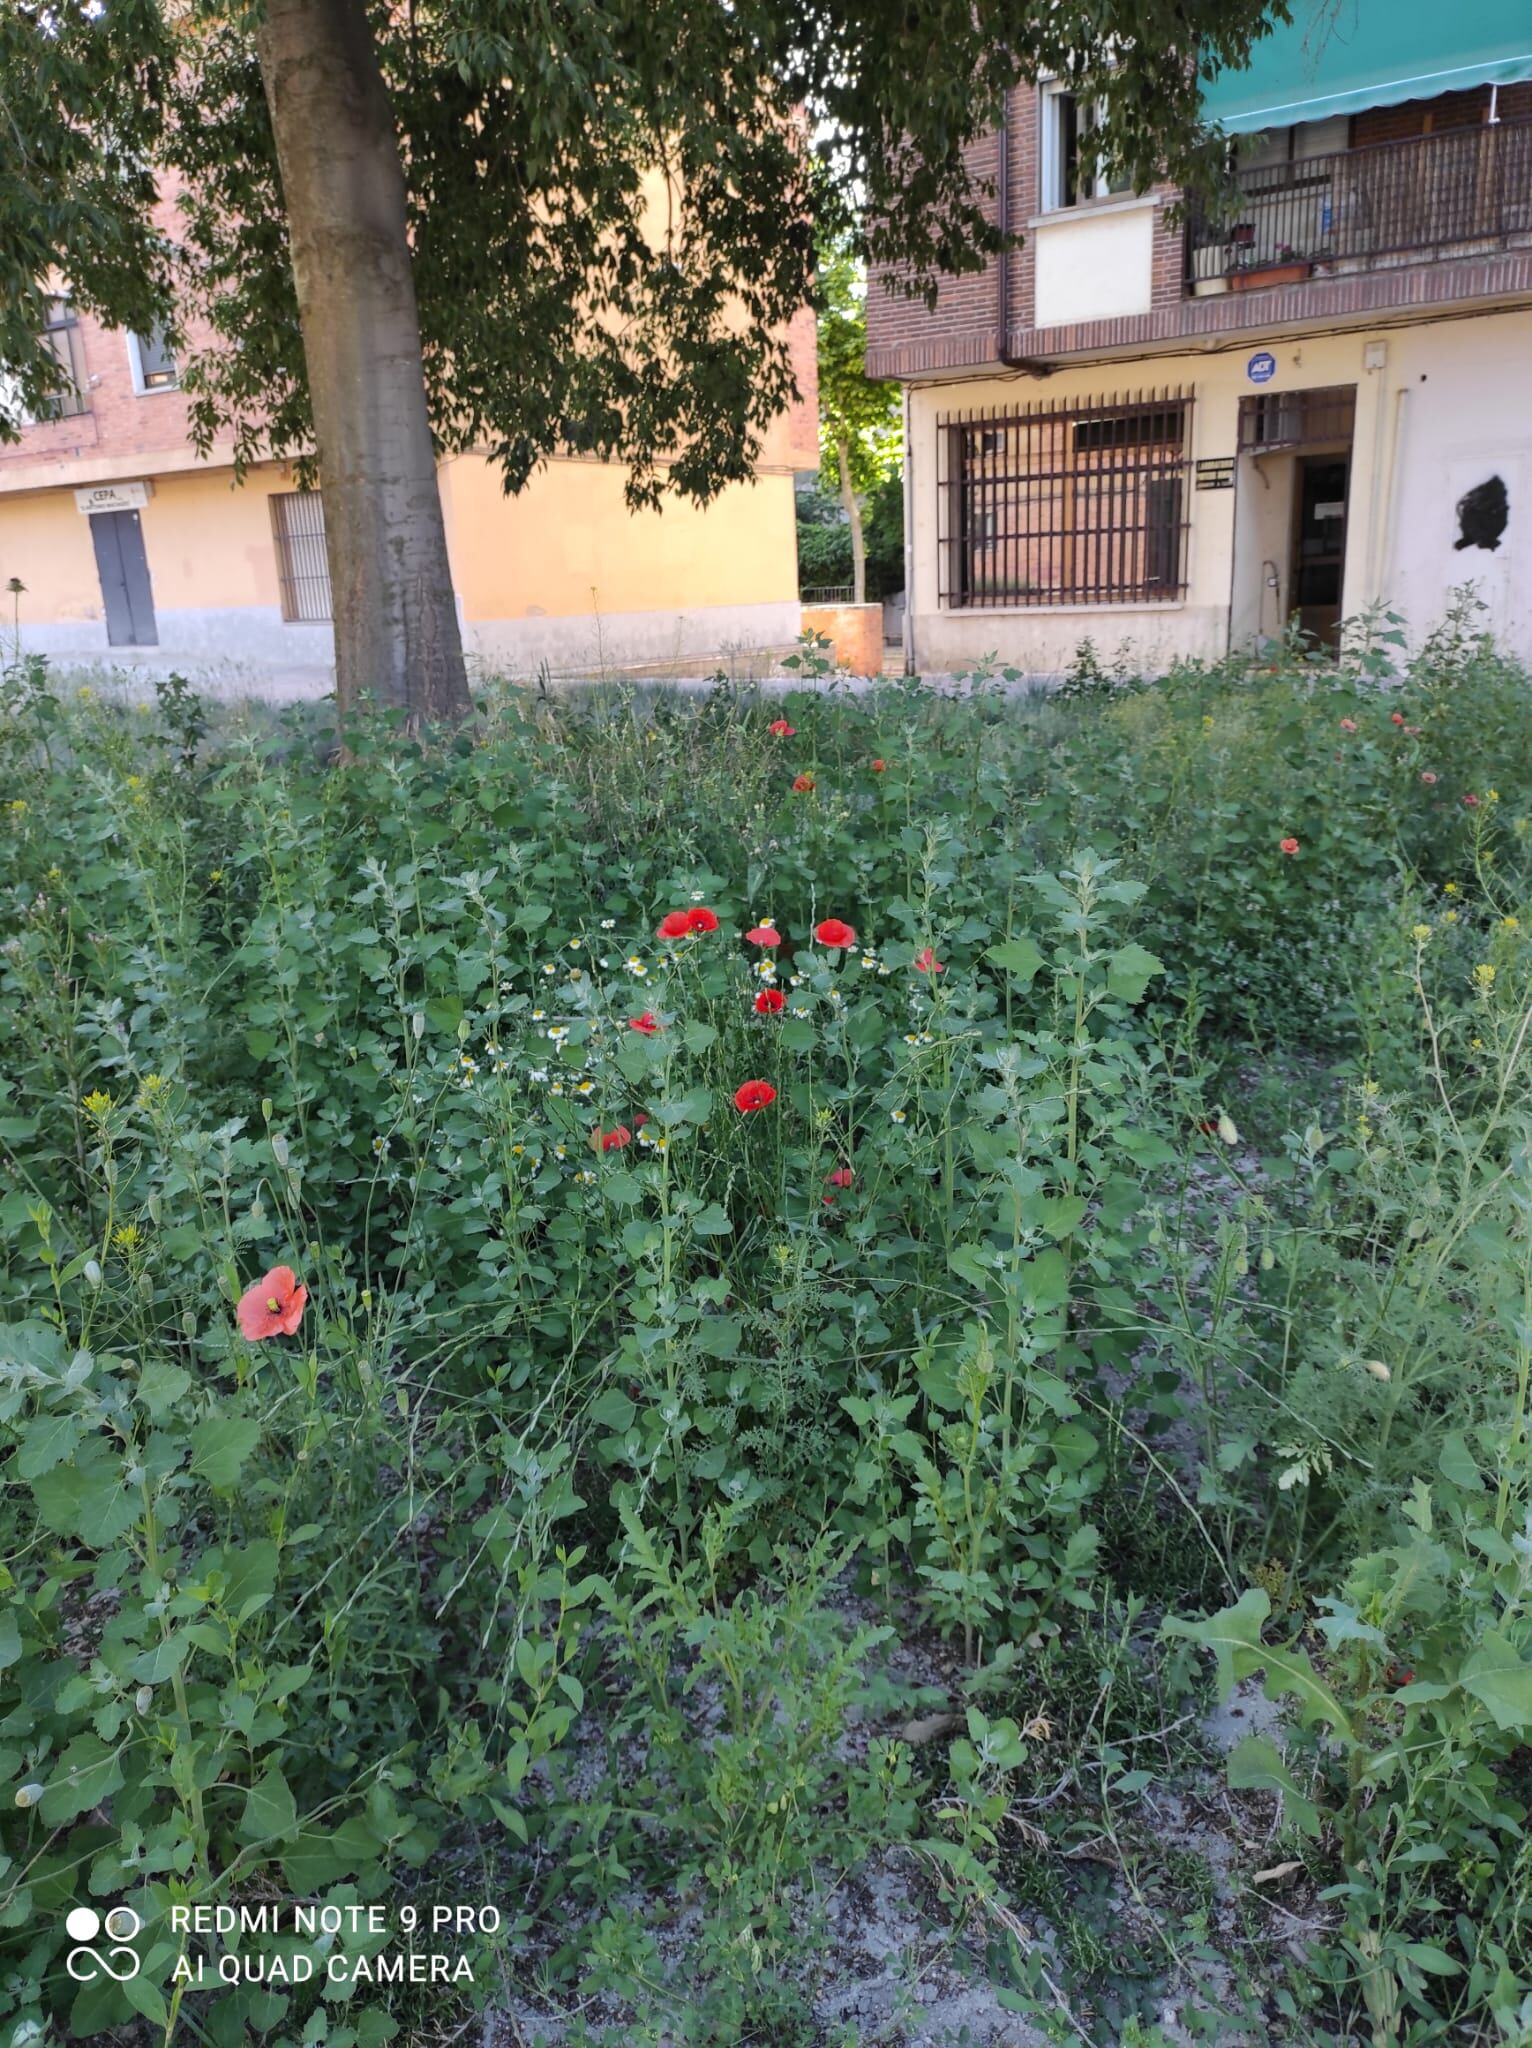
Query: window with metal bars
point(61, 337)
point(1320, 417)
point(155, 365)
point(303, 567)
point(1085, 503)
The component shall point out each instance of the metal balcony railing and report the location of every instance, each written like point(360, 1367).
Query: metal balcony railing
point(1429, 196)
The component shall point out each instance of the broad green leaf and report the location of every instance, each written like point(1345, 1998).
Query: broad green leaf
point(161, 1385)
point(1257, 1765)
point(46, 1441)
point(271, 1813)
point(84, 1775)
point(613, 1410)
point(1019, 957)
point(1459, 1464)
point(1234, 1637)
point(1130, 971)
point(1501, 1682)
point(220, 1445)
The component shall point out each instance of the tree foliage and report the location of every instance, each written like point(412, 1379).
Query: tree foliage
point(613, 203)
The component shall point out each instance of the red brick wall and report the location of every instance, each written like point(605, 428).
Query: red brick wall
point(966, 310)
point(965, 306)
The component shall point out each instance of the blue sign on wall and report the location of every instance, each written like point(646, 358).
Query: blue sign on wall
point(1262, 367)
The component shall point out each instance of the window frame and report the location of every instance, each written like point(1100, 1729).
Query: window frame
point(299, 580)
point(142, 386)
point(68, 350)
point(1053, 506)
point(1053, 170)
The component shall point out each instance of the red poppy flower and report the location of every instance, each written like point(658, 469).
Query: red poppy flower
point(802, 784)
point(648, 1024)
point(781, 730)
point(842, 1177)
point(764, 935)
point(926, 962)
point(1396, 717)
point(1427, 776)
point(754, 1095)
point(769, 1002)
point(273, 1307)
point(1288, 845)
point(675, 924)
point(834, 931)
point(1472, 801)
point(1348, 725)
point(611, 1141)
point(640, 1118)
point(877, 767)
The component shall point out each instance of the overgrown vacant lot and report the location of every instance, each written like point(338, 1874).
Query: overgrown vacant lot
point(718, 1329)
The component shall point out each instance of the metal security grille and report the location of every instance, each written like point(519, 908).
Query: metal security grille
point(61, 337)
point(1426, 193)
point(1322, 418)
point(1073, 504)
point(303, 568)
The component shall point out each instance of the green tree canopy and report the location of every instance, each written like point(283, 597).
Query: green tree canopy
point(608, 208)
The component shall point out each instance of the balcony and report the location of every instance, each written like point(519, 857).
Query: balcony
point(1463, 192)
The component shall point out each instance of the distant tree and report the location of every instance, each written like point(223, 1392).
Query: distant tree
point(861, 434)
point(517, 225)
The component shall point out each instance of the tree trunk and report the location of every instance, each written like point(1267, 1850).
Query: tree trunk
point(396, 629)
point(852, 503)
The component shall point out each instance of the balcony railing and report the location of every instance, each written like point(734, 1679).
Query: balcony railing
point(1434, 195)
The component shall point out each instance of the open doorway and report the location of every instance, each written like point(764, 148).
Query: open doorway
point(1291, 482)
point(1317, 565)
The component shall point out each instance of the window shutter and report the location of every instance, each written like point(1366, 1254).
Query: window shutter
point(157, 367)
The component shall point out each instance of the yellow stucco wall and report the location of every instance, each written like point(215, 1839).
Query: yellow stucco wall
point(208, 545)
point(568, 547)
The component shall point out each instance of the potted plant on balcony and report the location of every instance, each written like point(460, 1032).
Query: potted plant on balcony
point(1210, 270)
point(1285, 267)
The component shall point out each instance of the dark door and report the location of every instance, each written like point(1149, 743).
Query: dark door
point(1319, 545)
point(126, 590)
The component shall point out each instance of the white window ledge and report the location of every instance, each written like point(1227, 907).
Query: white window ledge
point(1091, 209)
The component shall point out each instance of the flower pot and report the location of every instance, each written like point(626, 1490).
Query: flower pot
point(1269, 274)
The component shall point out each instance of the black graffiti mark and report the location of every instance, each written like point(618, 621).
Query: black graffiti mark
point(1482, 515)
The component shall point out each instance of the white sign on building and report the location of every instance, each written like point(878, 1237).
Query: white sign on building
point(112, 497)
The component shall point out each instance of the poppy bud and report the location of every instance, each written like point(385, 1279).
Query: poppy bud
point(1227, 1128)
point(28, 1795)
point(1378, 1369)
point(143, 1699)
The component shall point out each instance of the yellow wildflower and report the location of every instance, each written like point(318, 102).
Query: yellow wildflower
point(97, 1103)
point(1484, 974)
point(1420, 933)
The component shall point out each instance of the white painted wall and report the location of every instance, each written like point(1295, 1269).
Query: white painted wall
point(1094, 263)
point(1445, 408)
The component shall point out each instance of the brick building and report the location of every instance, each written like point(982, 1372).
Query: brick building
point(1171, 429)
point(132, 550)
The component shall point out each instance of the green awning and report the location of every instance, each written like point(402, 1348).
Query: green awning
point(1340, 56)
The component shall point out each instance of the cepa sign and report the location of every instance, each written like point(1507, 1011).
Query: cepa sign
point(112, 498)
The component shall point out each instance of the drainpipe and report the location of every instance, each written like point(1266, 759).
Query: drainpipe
point(1034, 366)
point(907, 624)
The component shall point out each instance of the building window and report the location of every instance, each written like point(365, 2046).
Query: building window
point(1074, 504)
point(61, 338)
point(303, 568)
point(1071, 140)
point(153, 363)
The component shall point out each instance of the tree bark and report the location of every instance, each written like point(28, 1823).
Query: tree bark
point(853, 505)
point(396, 627)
